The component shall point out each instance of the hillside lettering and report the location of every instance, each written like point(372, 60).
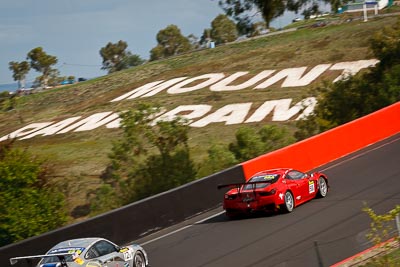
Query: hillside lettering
point(202, 115)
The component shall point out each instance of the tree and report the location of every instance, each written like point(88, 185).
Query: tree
point(258, 28)
point(170, 43)
point(381, 227)
point(53, 79)
point(223, 30)
point(116, 57)
point(20, 70)
point(245, 11)
point(206, 37)
point(157, 53)
point(359, 95)
point(42, 62)
point(147, 160)
point(250, 144)
point(131, 60)
point(275, 137)
point(385, 45)
point(29, 203)
point(309, 127)
point(219, 158)
point(171, 166)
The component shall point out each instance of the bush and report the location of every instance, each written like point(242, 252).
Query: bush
point(29, 204)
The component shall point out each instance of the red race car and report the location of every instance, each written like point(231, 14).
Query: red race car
point(277, 189)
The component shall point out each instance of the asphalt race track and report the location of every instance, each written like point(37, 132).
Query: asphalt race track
point(319, 233)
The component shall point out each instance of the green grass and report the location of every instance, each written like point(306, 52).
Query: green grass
point(84, 154)
point(393, 257)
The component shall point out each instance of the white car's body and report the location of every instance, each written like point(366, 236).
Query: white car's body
point(90, 252)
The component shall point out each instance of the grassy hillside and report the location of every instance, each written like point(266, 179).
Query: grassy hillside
point(80, 157)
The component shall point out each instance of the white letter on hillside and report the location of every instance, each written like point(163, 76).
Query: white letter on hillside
point(188, 112)
point(52, 129)
point(308, 104)
point(352, 67)
point(114, 124)
point(210, 79)
point(92, 122)
point(149, 89)
point(26, 130)
point(282, 112)
point(265, 109)
point(223, 85)
point(294, 76)
point(230, 114)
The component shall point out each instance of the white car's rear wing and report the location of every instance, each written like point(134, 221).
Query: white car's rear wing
point(60, 256)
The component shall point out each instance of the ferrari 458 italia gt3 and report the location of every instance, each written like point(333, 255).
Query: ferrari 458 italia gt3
point(277, 189)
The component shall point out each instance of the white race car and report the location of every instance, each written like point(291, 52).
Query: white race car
point(90, 252)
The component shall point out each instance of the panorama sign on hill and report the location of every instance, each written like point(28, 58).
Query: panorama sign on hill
point(201, 115)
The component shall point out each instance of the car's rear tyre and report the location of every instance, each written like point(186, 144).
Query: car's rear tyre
point(288, 206)
point(139, 260)
point(322, 187)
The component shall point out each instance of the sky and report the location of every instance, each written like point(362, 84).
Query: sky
point(75, 30)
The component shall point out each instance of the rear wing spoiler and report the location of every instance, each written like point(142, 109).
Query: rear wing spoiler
point(60, 256)
point(239, 185)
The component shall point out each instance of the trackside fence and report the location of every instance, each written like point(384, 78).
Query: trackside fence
point(135, 220)
point(332, 144)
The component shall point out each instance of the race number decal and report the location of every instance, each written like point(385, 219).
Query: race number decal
point(128, 254)
point(311, 187)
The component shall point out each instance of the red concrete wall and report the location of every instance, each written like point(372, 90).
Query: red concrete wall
point(330, 145)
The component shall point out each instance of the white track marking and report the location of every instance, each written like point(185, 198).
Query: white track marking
point(183, 228)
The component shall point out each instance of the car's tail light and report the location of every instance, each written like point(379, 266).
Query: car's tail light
point(268, 193)
point(230, 197)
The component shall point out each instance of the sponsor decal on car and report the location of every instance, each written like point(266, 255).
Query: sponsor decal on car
point(69, 250)
point(311, 187)
point(122, 250)
point(128, 254)
point(79, 261)
point(270, 177)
